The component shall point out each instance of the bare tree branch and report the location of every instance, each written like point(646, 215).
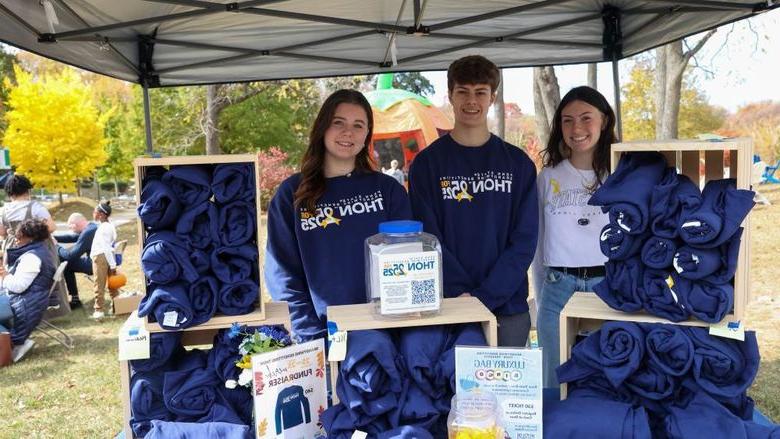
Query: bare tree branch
point(709, 73)
point(725, 41)
point(687, 55)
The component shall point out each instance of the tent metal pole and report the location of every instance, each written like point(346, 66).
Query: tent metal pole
point(616, 84)
point(613, 50)
point(148, 121)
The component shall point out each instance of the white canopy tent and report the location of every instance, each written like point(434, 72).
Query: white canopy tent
point(187, 42)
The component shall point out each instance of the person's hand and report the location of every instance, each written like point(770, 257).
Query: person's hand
point(3, 271)
point(111, 271)
point(465, 294)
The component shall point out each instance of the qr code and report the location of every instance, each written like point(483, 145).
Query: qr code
point(423, 292)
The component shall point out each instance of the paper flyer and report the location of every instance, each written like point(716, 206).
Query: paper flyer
point(514, 375)
point(289, 391)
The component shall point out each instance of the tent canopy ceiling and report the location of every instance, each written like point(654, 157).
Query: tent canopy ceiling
point(186, 42)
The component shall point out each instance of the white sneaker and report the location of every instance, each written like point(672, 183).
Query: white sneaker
point(19, 351)
point(97, 315)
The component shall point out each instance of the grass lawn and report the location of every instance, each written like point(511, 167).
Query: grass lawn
point(60, 393)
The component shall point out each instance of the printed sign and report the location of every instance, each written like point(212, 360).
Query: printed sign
point(409, 282)
point(289, 391)
point(514, 375)
point(133, 339)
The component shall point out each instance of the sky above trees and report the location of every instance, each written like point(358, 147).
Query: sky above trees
point(739, 65)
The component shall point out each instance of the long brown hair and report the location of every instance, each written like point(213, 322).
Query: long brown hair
point(312, 184)
point(557, 151)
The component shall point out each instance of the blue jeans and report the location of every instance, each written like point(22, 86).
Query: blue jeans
point(557, 289)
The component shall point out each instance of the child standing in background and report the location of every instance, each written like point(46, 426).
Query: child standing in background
point(102, 255)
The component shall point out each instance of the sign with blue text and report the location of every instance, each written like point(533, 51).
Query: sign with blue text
point(514, 375)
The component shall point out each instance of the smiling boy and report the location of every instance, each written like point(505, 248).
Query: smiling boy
point(477, 194)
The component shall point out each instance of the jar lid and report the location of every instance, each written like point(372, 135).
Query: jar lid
point(404, 226)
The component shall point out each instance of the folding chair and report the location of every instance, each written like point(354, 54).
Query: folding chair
point(45, 326)
point(119, 249)
point(769, 173)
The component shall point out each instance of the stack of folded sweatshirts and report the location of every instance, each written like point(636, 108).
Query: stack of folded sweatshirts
point(672, 249)
point(179, 393)
point(398, 378)
point(657, 380)
point(200, 254)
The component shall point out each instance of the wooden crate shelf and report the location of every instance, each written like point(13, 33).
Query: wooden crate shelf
point(141, 165)
point(703, 161)
point(453, 311)
point(277, 313)
point(587, 312)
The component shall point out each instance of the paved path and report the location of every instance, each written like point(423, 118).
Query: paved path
point(118, 217)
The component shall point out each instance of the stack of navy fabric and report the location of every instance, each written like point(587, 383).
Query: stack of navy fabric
point(400, 378)
point(179, 393)
point(672, 249)
point(200, 255)
point(658, 378)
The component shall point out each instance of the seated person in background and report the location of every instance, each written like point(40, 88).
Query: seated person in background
point(21, 207)
point(102, 255)
point(27, 282)
point(77, 255)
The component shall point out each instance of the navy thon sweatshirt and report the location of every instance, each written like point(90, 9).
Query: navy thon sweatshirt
point(316, 259)
point(481, 203)
point(292, 409)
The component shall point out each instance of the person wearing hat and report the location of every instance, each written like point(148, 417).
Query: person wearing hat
point(102, 255)
point(21, 207)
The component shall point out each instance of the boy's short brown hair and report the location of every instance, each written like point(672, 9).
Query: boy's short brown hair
point(473, 69)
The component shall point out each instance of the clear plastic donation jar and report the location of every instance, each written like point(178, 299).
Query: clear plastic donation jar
point(475, 415)
point(403, 270)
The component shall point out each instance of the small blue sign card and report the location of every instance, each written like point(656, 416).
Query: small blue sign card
point(514, 376)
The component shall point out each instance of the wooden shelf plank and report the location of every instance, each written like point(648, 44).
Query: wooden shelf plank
point(453, 311)
point(194, 159)
point(276, 313)
point(589, 306)
point(736, 143)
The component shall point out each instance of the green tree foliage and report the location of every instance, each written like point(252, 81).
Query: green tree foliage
point(176, 119)
point(413, 82)
point(280, 115)
point(6, 71)
point(638, 105)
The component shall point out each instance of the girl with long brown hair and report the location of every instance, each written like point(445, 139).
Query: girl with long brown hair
point(319, 218)
point(568, 256)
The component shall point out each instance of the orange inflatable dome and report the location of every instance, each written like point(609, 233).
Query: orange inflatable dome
point(117, 281)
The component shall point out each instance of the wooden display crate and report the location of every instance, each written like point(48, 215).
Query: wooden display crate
point(141, 165)
point(277, 313)
point(453, 311)
point(587, 312)
point(703, 161)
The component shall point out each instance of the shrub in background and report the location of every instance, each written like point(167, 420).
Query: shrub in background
point(274, 169)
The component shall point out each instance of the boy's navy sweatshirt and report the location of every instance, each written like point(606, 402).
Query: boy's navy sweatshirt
point(316, 259)
point(481, 203)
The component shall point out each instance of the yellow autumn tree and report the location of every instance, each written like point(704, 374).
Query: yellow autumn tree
point(55, 133)
point(696, 114)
